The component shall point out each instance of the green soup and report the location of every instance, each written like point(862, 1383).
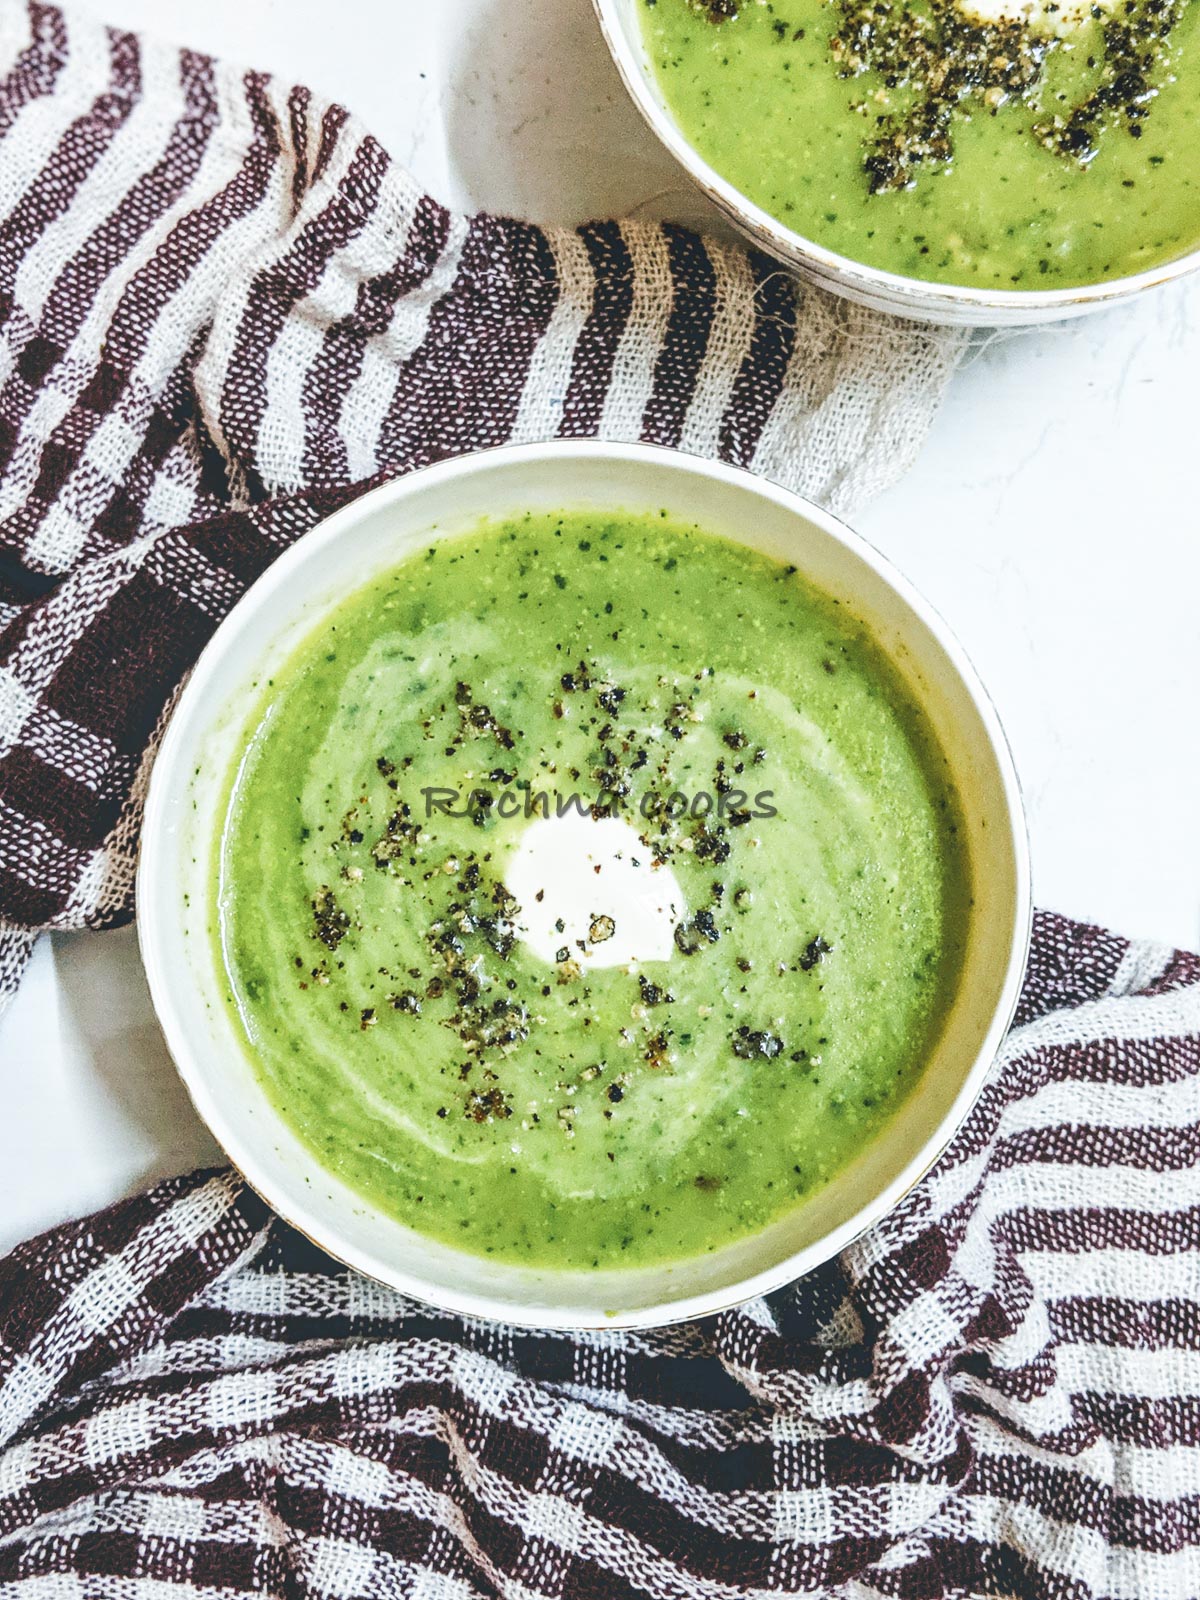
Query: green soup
point(1020, 154)
point(589, 677)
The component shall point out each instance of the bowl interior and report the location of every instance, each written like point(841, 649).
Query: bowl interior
point(184, 810)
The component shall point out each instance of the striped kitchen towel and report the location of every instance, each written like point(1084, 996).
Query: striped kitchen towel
point(994, 1392)
point(224, 311)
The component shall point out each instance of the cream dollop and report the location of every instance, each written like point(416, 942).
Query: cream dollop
point(590, 886)
point(1043, 15)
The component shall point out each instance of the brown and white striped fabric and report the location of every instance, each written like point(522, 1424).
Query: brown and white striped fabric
point(224, 310)
point(995, 1392)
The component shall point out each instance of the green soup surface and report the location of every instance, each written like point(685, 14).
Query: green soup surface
point(1049, 151)
point(536, 1105)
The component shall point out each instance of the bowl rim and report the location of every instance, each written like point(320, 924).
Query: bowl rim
point(916, 297)
point(170, 771)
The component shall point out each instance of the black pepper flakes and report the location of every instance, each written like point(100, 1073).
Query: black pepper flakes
point(751, 1045)
point(655, 1053)
point(487, 1105)
point(942, 61)
point(652, 995)
point(816, 950)
point(331, 923)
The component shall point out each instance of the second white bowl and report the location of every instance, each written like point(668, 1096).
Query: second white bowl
point(869, 286)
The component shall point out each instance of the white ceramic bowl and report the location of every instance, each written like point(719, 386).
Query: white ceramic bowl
point(869, 286)
point(183, 812)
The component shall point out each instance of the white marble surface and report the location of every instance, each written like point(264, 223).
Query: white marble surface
point(1051, 518)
